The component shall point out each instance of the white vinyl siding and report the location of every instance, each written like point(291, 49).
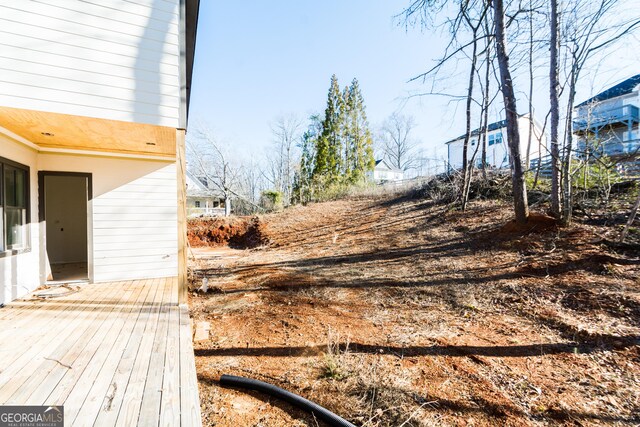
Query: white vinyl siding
point(110, 59)
point(134, 228)
point(133, 223)
point(497, 152)
point(19, 274)
point(497, 155)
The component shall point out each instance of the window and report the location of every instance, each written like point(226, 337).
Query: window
point(496, 138)
point(197, 203)
point(14, 203)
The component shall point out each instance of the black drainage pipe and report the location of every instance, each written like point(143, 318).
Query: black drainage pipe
point(302, 403)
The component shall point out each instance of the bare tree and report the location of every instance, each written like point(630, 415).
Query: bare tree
point(521, 207)
point(486, 91)
point(588, 28)
point(251, 185)
point(286, 131)
point(423, 11)
point(396, 143)
point(210, 162)
point(536, 46)
point(480, 29)
point(474, 26)
point(554, 97)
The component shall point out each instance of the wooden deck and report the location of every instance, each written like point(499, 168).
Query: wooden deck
point(112, 354)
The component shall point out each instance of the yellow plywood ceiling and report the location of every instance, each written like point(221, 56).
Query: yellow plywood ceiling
point(52, 130)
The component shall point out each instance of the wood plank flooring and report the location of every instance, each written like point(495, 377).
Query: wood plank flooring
point(112, 353)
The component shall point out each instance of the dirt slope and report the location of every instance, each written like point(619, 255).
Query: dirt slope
point(397, 311)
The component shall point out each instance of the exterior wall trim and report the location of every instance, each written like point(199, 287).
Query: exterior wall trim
point(42, 213)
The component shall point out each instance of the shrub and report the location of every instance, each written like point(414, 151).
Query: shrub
point(271, 200)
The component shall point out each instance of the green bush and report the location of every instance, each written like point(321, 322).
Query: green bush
point(596, 175)
point(325, 189)
point(541, 184)
point(271, 200)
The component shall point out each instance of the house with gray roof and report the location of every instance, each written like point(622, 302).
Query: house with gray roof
point(384, 172)
point(607, 123)
point(201, 200)
point(497, 152)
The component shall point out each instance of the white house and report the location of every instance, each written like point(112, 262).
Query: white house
point(497, 150)
point(384, 172)
point(201, 201)
point(607, 124)
point(93, 112)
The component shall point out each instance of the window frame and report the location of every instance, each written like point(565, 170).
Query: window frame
point(494, 140)
point(4, 251)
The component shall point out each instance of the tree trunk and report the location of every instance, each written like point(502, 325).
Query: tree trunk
point(288, 186)
point(632, 217)
point(527, 159)
point(466, 165)
point(555, 111)
point(485, 112)
point(521, 207)
point(227, 205)
point(567, 208)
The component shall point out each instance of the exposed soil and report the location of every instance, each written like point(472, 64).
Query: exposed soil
point(391, 311)
point(240, 233)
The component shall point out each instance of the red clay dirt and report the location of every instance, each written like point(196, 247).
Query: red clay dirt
point(390, 311)
point(242, 233)
point(536, 223)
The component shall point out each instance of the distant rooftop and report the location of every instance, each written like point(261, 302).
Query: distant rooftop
point(382, 164)
point(620, 89)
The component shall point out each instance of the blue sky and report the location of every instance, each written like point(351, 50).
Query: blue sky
point(256, 60)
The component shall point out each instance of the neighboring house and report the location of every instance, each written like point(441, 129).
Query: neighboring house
point(607, 124)
point(200, 200)
point(497, 150)
point(383, 172)
point(93, 113)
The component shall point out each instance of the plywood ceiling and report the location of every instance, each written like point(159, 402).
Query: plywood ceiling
point(52, 130)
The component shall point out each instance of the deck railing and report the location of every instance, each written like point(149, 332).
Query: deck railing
point(599, 118)
point(626, 153)
point(612, 148)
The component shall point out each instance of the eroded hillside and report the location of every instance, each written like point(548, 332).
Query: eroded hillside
point(392, 310)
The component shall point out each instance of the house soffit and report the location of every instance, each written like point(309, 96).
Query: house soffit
point(54, 131)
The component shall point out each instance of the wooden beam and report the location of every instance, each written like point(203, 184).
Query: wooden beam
point(182, 216)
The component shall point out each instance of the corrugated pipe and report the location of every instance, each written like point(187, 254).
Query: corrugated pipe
point(302, 403)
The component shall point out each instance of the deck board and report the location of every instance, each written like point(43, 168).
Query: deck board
point(113, 354)
point(56, 364)
point(152, 393)
point(16, 363)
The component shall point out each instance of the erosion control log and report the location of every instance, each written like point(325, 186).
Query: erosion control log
point(302, 403)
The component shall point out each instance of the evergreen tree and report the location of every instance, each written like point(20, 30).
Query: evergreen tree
point(309, 146)
point(347, 132)
point(337, 150)
point(329, 152)
point(361, 158)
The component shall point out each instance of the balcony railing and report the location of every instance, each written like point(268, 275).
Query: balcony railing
point(627, 153)
point(600, 118)
point(613, 148)
point(542, 164)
